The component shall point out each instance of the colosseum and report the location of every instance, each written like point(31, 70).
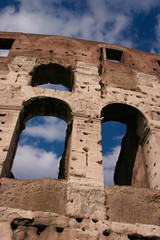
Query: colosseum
point(106, 83)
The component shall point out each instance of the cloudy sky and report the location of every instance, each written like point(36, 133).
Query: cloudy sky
point(130, 23)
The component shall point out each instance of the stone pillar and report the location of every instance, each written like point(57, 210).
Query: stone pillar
point(85, 186)
point(151, 154)
point(10, 130)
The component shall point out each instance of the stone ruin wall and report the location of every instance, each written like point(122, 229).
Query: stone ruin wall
point(78, 205)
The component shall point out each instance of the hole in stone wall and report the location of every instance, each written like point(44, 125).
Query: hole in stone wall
point(59, 229)
point(53, 76)
point(158, 62)
point(141, 237)
point(24, 224)
point(40, 228)
point(106, 233)
point(113, 55)
point(94, 220)
point(112, 134)
point(135, 122)
point(40, 148)
point(5, 46)
point(21, 222)
point(79, 220)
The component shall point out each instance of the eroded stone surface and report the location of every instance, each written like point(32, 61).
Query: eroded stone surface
point(133, 205)
point(80, 207)
point(46, 194)
point(40, 225)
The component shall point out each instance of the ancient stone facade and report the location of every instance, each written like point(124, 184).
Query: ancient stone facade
point(106, 82)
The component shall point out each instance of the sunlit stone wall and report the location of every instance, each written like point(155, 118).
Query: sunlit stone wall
point(106, 83)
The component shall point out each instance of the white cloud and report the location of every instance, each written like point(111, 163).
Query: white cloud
point(33, 163)
point(52, 129)
point(51, 17)
point(109, 163)
point(119, 138)
point(101, 21)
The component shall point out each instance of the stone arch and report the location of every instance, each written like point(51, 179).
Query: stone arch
point(136, 126)
point(41, 106)
point(52, 73)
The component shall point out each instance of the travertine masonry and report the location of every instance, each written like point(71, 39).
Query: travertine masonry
point(106, 83)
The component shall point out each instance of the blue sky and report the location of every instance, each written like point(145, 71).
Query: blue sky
point(130, 23)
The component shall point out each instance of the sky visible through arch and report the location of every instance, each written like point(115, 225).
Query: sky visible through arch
point(129, 23)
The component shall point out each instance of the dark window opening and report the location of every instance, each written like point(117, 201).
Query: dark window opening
point(5, 46)
point(43, 125)
point(53, 76)
point(124, 170)
point(113, 55)
point(158, 62)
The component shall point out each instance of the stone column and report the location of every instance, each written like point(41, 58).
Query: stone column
point(85, 187)
point(151, 154)
point(10, 130)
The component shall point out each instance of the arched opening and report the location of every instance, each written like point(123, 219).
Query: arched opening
point(40, 148)
point(53, 76)
point(38, 127)
point(125, 170)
